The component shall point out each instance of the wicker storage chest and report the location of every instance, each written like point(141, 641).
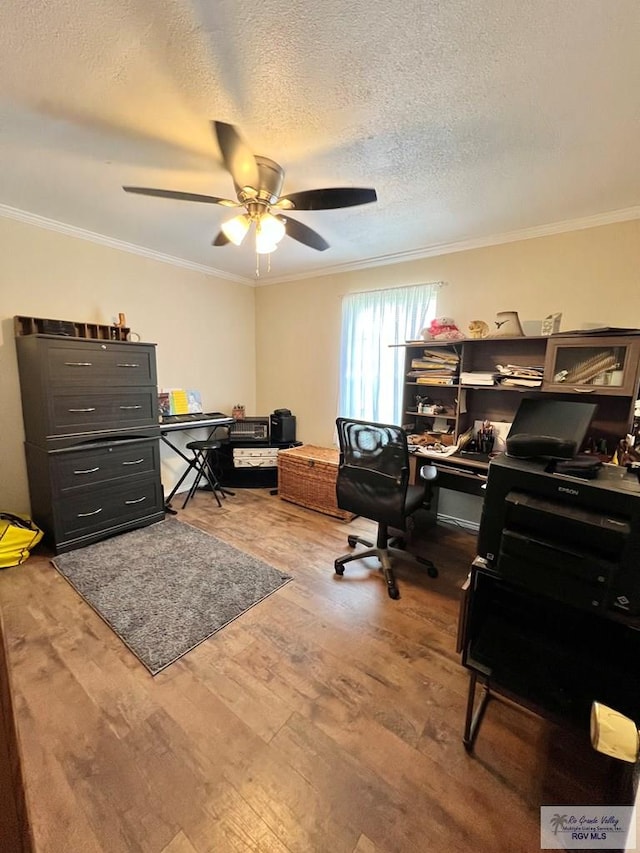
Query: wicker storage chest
point(307, 476)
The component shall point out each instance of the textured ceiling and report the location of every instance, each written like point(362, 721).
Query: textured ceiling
point(470, 118)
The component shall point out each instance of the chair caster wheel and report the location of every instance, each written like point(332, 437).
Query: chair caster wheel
point(394, 592)
point(432, 572)
point(352, 540)
point(339, 568)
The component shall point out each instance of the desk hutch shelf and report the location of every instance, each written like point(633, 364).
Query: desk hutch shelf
point(603, 368)
point(69, 328)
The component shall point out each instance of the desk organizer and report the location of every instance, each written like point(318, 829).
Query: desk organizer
point(69, 329)
point(307, 477)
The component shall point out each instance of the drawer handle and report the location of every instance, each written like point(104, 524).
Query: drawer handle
point(585, 390)
point(78, 364)
point(92, 409)
point(86, 514)
point(125, 364)
point(138, 501)
point(132, 462)
point(130, 407)
point(87, 471)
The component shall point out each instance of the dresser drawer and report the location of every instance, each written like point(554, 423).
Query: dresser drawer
point(77, 469)
point(80, 363)
point(107, 506)
point(80, 412)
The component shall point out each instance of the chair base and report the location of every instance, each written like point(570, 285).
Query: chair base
point(385, 554)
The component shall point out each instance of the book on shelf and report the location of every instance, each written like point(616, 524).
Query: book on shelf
point(431, 364)
point(434, 380)
point(513, 381)
point(442, 355)
point(414, 374)
point(533, 372)
point(476, 378)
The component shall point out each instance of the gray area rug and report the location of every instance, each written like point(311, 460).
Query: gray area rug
point(165, 588)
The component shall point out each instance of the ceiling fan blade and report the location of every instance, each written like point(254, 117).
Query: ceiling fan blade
point(304, 234)
point(220, 240)
point(238, 158)
point(327, 199)
point(209, 199)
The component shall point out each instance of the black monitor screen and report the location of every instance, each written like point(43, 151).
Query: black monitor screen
point(566, 421)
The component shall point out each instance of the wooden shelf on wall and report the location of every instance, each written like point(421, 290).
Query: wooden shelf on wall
point(69, 329)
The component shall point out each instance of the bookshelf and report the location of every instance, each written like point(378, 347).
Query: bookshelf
point(602, 367)
point(23, 325)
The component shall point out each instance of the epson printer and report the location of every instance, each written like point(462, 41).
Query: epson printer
point(558, 534)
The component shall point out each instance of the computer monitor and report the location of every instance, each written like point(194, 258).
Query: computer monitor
point(552, 429)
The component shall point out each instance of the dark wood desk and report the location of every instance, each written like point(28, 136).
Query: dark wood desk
point(546, 655)
point(457, 472)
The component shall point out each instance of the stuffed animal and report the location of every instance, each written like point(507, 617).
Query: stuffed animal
point(478, 329)
point(442, 329)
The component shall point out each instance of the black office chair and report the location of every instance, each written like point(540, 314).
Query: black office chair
point(373, 481)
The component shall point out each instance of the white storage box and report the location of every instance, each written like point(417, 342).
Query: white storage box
point(255, 457)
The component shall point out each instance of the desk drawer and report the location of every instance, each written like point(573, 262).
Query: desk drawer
point(107, 506)
point(77, 469)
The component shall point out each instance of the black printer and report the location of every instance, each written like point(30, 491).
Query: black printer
point(571, 539)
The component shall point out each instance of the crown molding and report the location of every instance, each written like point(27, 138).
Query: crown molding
point(112, 243)
point(609, 218)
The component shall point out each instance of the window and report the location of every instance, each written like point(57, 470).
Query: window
point(371, 371)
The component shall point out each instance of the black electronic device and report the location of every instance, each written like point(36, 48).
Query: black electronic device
point(250, 429)
point(59, 327)
point(553, 429)
point(283, 426)
point(573, 540)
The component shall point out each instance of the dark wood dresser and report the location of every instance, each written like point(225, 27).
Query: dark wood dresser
point(90, 410)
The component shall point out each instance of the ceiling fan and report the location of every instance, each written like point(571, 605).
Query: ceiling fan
point(258, 185)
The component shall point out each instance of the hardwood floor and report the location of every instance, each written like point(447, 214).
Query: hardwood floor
point(327, 719)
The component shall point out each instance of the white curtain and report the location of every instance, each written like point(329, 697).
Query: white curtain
point(371, 371)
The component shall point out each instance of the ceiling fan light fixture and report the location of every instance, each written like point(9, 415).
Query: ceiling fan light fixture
point(236, 229)
point(264, 246)
point(271, 228)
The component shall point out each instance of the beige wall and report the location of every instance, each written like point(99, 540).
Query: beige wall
point(592, 276)
point(278, 345)
point(204, 327)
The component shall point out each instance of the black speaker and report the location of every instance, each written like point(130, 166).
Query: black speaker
point(283, 426)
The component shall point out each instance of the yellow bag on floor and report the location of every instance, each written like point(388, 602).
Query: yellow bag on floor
point(18, 535)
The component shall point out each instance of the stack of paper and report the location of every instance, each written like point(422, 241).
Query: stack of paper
point(435, 367)
point(476, 377)
point(517, 375)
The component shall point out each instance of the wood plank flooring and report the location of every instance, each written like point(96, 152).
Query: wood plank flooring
point(327, 719)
